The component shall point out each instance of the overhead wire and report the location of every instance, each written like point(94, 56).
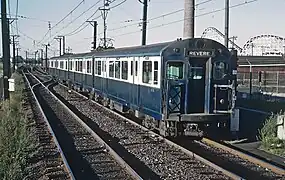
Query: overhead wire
point(56, 34)
point(62, 20)
point(204, 14)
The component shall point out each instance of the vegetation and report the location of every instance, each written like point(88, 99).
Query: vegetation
point(268, 137)
point(15, 141)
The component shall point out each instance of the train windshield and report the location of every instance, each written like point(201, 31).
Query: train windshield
point(175, 70)
point(219, 70)
point(196, 72)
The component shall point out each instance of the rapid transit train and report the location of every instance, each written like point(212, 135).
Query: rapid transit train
point(180, 88)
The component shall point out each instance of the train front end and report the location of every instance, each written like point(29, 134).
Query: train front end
point(199, 87)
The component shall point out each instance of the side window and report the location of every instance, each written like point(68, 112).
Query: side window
point(117, 69)
point(66, 65)
point(88, 66)
point(136, 68)
point(80, 65)
point(147, 72)
point(111, 69)
point(99, 67)
point(103, 66)
point(70, 65)
point(95, 67)
point(132, 67)
point(220, 70)
point(155, 73)
point(76, 65)
point(175, 70)
point(125, 70)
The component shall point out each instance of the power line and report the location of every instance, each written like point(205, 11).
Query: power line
point(160, 16)
point(62, 19)
point(78, 18)
point(177, 21)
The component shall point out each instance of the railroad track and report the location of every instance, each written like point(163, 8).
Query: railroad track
point(85, 155)
point(233, 166)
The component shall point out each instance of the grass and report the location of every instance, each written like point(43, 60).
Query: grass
point(15, 141)
point(268, 137)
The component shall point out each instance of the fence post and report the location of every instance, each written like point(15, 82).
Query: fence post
point(277, 83)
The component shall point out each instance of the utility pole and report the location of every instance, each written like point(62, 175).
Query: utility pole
point(104, 12)
point(46, 58)
point(144, 23)
point(5, 48)
point(59, 38)
point(36, 52)
point(16, 60)
point(94, 24)
point(189, 19)
point(227, 10)
point(63, 44)
point(42, 56)
point(14, 49)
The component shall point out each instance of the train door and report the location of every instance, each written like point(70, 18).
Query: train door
point(175, 83)
point(196, 87)
point(135, 89)
point(104, 83)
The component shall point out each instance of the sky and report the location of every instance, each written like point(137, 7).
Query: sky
point(246, 21)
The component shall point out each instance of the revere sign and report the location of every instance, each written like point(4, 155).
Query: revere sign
point(199, 53)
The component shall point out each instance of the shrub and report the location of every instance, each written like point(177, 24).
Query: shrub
point(15, 141)
point(268, 136)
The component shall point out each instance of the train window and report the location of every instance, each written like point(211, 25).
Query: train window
point(61, 64)
point(147, 72)
point(76, 65)
point(56, 64)
point(70, 65)
point(96, 67)
point(219, 70)
point(65, 65)
point(80, 66)
point(132, 67)
point(136, 68)
point(99, 67)
point(103, 66)
point(88, 66)
point(196, 72)
point(52, 64)
point(117, 69)
point(125, 70)
point(111, 69)
point(175, 70)
point(155, 73)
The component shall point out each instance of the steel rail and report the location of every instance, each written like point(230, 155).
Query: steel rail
point(186, 151)
point(67, 167)
point(113, 153)
point(242, 155)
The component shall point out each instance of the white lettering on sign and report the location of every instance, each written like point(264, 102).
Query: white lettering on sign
point(200, 53)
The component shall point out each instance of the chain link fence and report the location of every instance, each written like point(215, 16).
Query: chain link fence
point(270, 83)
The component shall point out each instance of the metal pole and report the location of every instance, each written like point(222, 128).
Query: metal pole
point(14, 58)
point(144, 24)
point(227, 9)
point(250, 77)
point(46, 68)
point(189, 19)
point(63, 45)
point(42, 57)
point(95, 35)
point(5, 48)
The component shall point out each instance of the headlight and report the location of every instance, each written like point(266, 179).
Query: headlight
point(222, 101)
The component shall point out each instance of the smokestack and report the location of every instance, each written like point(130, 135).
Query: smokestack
point(189, 15)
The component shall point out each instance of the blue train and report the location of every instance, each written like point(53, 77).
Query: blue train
point(180, 88)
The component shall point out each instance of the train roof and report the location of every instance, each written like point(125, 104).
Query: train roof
point(147, 50)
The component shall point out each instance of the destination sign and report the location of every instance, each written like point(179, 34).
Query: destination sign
point(198, 53)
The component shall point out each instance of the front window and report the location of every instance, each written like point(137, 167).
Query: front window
point(196, 73)
point(219, 70)
point(175, 70)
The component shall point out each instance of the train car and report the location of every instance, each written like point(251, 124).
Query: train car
point(180, 88)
